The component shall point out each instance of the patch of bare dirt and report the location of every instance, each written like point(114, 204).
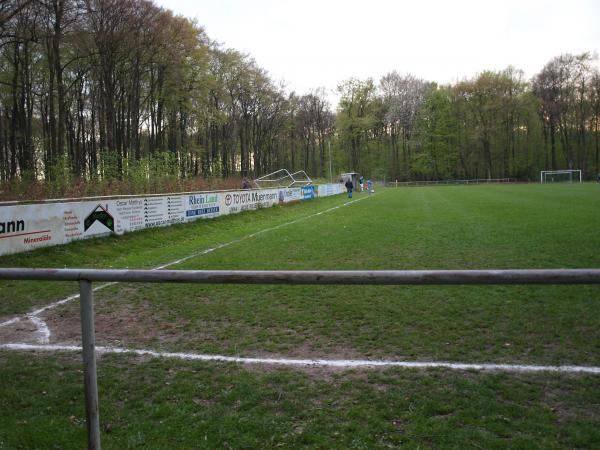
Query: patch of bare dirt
point(117, 324)
point(310, 348)
point(557, 400)
point(22, 332)
point(140, 324)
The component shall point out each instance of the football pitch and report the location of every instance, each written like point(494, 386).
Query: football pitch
point(155, 401)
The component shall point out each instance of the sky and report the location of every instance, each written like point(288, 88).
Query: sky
point(309, 44)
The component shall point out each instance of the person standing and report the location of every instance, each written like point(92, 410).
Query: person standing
point(349, 186)
point(246, 183)
point(361, 183)
point(370, 186)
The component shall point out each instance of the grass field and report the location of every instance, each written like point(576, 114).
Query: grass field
point(161, 403)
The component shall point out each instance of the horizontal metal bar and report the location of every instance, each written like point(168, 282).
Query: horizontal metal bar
point(389, 277)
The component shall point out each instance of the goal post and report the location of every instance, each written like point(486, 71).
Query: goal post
point(556, 176)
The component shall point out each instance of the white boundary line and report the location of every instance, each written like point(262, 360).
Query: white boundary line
point(331, 363)
point(42, 328)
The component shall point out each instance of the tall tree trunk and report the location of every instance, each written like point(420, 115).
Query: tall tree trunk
point(58, 7)
point(487, 154)
point(14, 114)
point(553, 143)
point(51, 157)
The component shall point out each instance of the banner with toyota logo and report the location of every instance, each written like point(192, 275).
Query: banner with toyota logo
point(237, 201)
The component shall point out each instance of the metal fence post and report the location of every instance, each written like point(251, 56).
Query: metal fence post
point(88, 340)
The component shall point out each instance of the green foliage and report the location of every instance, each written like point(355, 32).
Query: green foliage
point(62, 175)
point(494, 125)
point(356, 117)
point(117, 81)
point(437, 130)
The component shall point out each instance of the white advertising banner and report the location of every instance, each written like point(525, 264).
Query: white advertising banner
point(28, 226)
point(238, 201)
point(201, 206)
point(287, 195)
point(325, 190)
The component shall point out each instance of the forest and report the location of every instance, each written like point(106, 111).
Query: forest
point(96, 91)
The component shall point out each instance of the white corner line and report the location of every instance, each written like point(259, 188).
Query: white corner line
point(11, 321)
point(330, 363)
point(37, 312)
point(42, 329)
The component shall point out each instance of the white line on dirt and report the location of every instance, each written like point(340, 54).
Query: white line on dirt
point(11, 321)
point(42, 327)
point(333, 363)
point(67, 299)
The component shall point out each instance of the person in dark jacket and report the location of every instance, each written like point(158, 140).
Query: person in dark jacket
point(246, 184)
point(349, 186)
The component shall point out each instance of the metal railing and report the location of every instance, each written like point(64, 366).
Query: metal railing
point(450, 182)
point(85, 277)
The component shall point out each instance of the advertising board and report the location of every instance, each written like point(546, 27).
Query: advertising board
point(287, 195)
point(325, 190)
point(28, 226)
point(309, 192)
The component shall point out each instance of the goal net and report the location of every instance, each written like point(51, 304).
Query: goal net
point(560, 176)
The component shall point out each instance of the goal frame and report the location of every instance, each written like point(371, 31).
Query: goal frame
point(576, 172)
point(283, 178)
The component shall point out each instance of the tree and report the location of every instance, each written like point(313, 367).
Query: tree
point(356, 116)
point(562, 86)
point(403, 98)
point(437, 131)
